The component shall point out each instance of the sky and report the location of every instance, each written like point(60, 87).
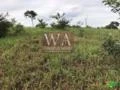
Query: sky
point(90, 12)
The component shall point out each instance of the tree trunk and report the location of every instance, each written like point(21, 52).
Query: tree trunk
point(32, 22)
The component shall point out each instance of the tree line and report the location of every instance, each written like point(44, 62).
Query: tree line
point(60, 21)
point(6, 25)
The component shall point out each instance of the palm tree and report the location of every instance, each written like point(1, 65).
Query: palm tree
point(62, 22)
point(31, 14)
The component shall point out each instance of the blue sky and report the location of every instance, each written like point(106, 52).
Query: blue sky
point(93, 11)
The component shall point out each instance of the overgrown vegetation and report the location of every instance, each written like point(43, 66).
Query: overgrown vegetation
point(4, 25)
point(113, 25)
point(41, 24)
point(93, 62)
point(112, 47)
point(61, 21)
point(25, 67)
point(19, 28)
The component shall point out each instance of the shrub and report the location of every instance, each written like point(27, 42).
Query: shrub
point(112, 47)
point(41, 24)
point(19, 28)
point(4, 25)
point(76, 26)
point(53, 25)
point(61, 21)
point(81, 32)
point(16, 28)
point(112, 25)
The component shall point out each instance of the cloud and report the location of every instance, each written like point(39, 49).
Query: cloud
point(78, 10)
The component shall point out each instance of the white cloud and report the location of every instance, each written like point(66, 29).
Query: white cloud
point(96, 13)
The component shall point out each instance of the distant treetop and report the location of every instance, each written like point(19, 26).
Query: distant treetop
point(114, 4)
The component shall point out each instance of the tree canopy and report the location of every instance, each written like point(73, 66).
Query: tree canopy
point(113, 25)
point(114, 4)
point(31, 14)
point(61, 23)
point(41, 24)
point(4, 25)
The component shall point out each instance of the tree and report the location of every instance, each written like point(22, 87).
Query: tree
point(4, 25)
point(61, 21)
point(114, 4)
point(41, 24)
point(31, 14)
point(113, 25)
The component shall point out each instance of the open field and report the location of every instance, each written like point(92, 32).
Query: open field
point(23, 66)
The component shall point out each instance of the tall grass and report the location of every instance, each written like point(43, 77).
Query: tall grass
point(87, 67)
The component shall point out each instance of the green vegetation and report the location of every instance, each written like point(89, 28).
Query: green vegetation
point(112, 47)
point(93, 64)
point(23, 65)
point(4, 25)
point(41, 24)
point(30, 14)
point(112, 25)
point(61, 21)
point(114, 4)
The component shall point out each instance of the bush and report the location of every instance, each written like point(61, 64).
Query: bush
point(16, 28)
point(112, 25)
point(81, 32)
point(112, 47)
point(61, 23)
point(75, 26)
point(53, 25)
point(4, 25)
point(19, 28)
point(41, 24)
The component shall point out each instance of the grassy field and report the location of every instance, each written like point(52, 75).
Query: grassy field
point(23, 66)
